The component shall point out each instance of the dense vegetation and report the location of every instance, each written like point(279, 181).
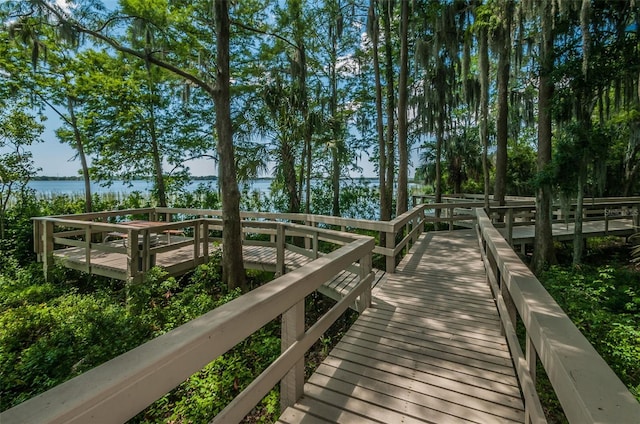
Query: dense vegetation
point(602, 298)
point(502, 97)
point(52, 331)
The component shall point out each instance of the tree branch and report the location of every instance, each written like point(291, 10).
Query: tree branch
point(259, 31)
point(211, 90)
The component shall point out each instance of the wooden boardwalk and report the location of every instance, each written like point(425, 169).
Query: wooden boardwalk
point(255, 257)
point(525, 234)
point(429, 350)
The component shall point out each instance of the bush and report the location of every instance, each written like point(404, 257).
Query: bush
point(604, 303)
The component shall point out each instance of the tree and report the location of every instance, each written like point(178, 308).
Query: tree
point(483, 64)
point(174, 58)
point(18, 130)
point(504, 62)
point(544, 254)
point(373, 32)
point(403, 82)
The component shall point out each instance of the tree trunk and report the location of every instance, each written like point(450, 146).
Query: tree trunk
point(305, 168)
point(335, 129)
point(543, 253)
point(390, 148)
point(155, 148)
point(578, 237)
point(439, 143)
point(83, 158)
point(382, 160)
point(403, 149)
point(232, 263)
point(484, 111)
point(502, 124)
point(289, 173)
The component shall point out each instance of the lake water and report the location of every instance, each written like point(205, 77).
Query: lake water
point(73, 187)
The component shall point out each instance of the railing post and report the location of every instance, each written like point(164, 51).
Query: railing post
point(364, 301)
point(307, 240)
point(146, 255)
point(510, 226)
point(87, 249)
point(315, 245)
point(205, 240)
point(133, 254)
point(391, 259)
point(47, 248)
point(292, 385)
point(532, 362)
point(450, 217)
point(197, 232)
point(37, 239)
point(280, 268)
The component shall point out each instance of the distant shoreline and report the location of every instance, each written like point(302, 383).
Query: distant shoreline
point(197, 178)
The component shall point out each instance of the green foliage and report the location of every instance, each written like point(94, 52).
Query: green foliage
point(49, 333)
point(604, 303)
point(357, 200)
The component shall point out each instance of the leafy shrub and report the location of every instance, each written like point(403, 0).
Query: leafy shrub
point(604, 304)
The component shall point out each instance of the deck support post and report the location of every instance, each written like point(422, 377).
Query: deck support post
point(47, 248)
point(280, 235)
point(391, 259)
point(292, 385)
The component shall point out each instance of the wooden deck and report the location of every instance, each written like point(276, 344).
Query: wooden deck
point(181, 260)
point(429, 350)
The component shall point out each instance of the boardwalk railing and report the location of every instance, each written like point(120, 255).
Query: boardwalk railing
point(398, 234)
point(606, 210)
point(585, 385)
point(119, 389)
point(90, 231)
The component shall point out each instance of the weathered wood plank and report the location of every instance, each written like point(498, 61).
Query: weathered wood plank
point(428, 350)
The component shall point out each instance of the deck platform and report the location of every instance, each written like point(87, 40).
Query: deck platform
point(179, 261)
point(523, 235)
point(429, 350)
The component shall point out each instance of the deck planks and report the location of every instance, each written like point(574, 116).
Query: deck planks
point(429, 350)
point(263, 258)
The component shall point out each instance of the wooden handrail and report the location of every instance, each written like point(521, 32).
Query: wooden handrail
point(588, 390)
point(122, 387)
point(411, 223)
